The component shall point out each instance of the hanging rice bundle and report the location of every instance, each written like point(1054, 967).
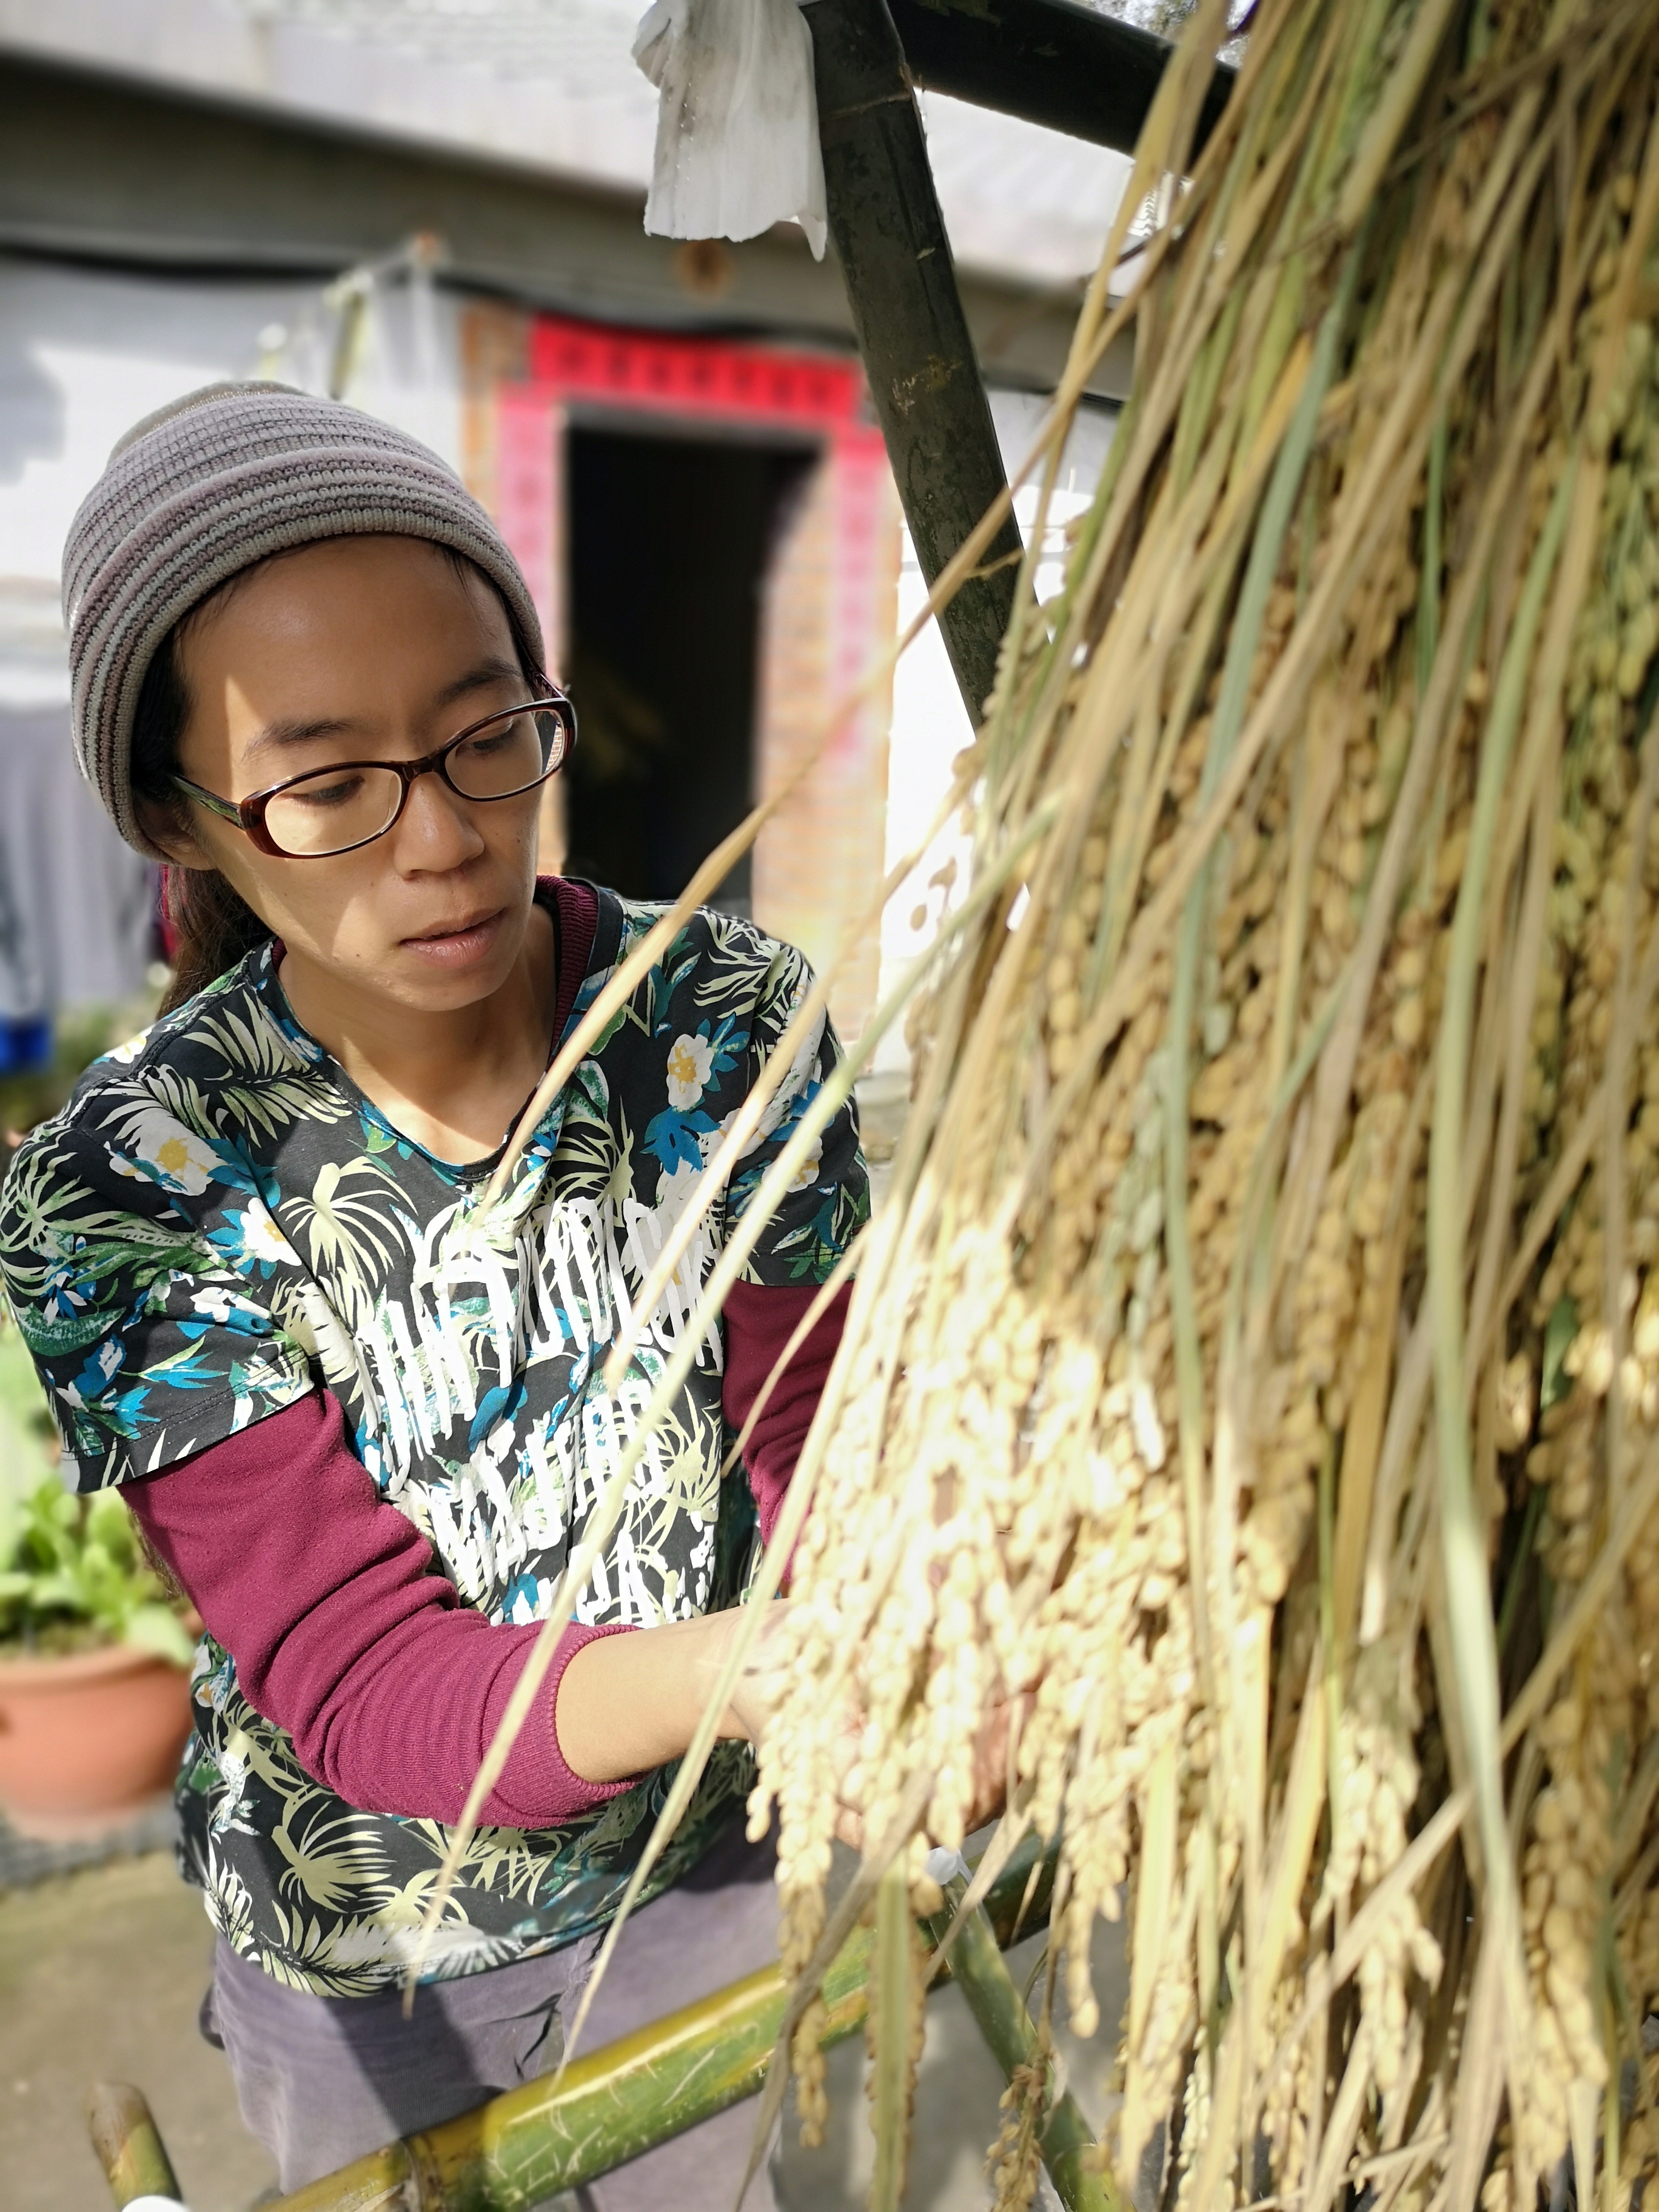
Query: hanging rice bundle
point(1252, 1382)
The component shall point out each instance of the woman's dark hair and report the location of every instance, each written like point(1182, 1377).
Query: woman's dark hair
point(213, 927)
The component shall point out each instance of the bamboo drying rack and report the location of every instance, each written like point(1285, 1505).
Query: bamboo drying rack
point(612, 2104)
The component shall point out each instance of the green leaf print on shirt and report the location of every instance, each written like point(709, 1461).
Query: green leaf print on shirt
point(219, 1221)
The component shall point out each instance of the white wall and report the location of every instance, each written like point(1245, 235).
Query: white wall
point(930, 724)
point(83, 356)
point(550, 85)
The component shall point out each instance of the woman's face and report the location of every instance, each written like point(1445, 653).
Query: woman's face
point(365, 649)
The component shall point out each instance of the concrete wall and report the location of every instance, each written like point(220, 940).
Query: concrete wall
point(101, 168)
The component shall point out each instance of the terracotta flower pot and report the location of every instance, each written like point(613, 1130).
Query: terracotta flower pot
point(88, 1741)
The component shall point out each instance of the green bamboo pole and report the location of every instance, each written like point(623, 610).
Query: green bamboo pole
point(129, 2150)
point(1082, 2179)
point(606, 2108)
point(887, 1999)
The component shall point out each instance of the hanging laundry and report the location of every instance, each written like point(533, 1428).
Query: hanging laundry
point(76, 905)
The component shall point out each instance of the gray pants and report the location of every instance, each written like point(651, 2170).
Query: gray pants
point(322, 2080)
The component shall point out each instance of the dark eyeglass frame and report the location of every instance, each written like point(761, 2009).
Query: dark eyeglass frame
point(249, 814)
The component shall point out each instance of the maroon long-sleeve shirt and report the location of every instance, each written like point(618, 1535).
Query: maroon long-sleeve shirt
point(344, 1630)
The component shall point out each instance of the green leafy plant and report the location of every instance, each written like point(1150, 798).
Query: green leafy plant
point(76, 1579)
point(73, 1575)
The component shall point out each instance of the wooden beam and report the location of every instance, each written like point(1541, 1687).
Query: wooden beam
point(1051, 62)
point(918, 355)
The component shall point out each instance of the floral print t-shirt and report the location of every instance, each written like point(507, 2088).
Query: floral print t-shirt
point(219, 1221)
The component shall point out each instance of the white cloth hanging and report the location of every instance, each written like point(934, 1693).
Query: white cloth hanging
point(737, 120)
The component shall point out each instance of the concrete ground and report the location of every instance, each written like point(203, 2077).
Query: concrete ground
point(102, 1974)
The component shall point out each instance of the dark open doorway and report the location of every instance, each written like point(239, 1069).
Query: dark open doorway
point(669, 540)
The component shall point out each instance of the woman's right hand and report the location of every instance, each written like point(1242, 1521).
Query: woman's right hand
point(755, 1693)
point(627, 1703)
point(755, 1698)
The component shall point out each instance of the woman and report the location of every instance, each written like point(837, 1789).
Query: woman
point(362, 1434)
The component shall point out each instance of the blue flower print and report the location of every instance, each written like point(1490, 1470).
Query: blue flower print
point(103, 1365)
point(217, 1306)
point(67, 1287)
point(496, 1407)
point(523, 1600)
point(672, 1137)
point(250, 1242)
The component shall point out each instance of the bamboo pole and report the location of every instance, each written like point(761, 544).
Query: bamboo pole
point(1075, 2165)
point(1054, 62)
point(606, 2108)
point(129, 2146)
point(609, 2105)
point(918, 353)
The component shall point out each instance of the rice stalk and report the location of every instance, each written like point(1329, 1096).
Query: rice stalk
point(1278, 1221)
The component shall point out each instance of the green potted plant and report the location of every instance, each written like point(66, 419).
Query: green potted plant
point(94, 1657)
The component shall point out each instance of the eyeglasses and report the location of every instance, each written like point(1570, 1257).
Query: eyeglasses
point(337, 809)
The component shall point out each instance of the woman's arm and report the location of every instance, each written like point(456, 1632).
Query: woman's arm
point(345, 1633)
point(634, 1702)
point(759, 1320)
point(630, 1705)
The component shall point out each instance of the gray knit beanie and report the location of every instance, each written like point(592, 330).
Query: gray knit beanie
point(204, 489)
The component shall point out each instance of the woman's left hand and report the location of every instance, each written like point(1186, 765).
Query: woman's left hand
point(992, 1747)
